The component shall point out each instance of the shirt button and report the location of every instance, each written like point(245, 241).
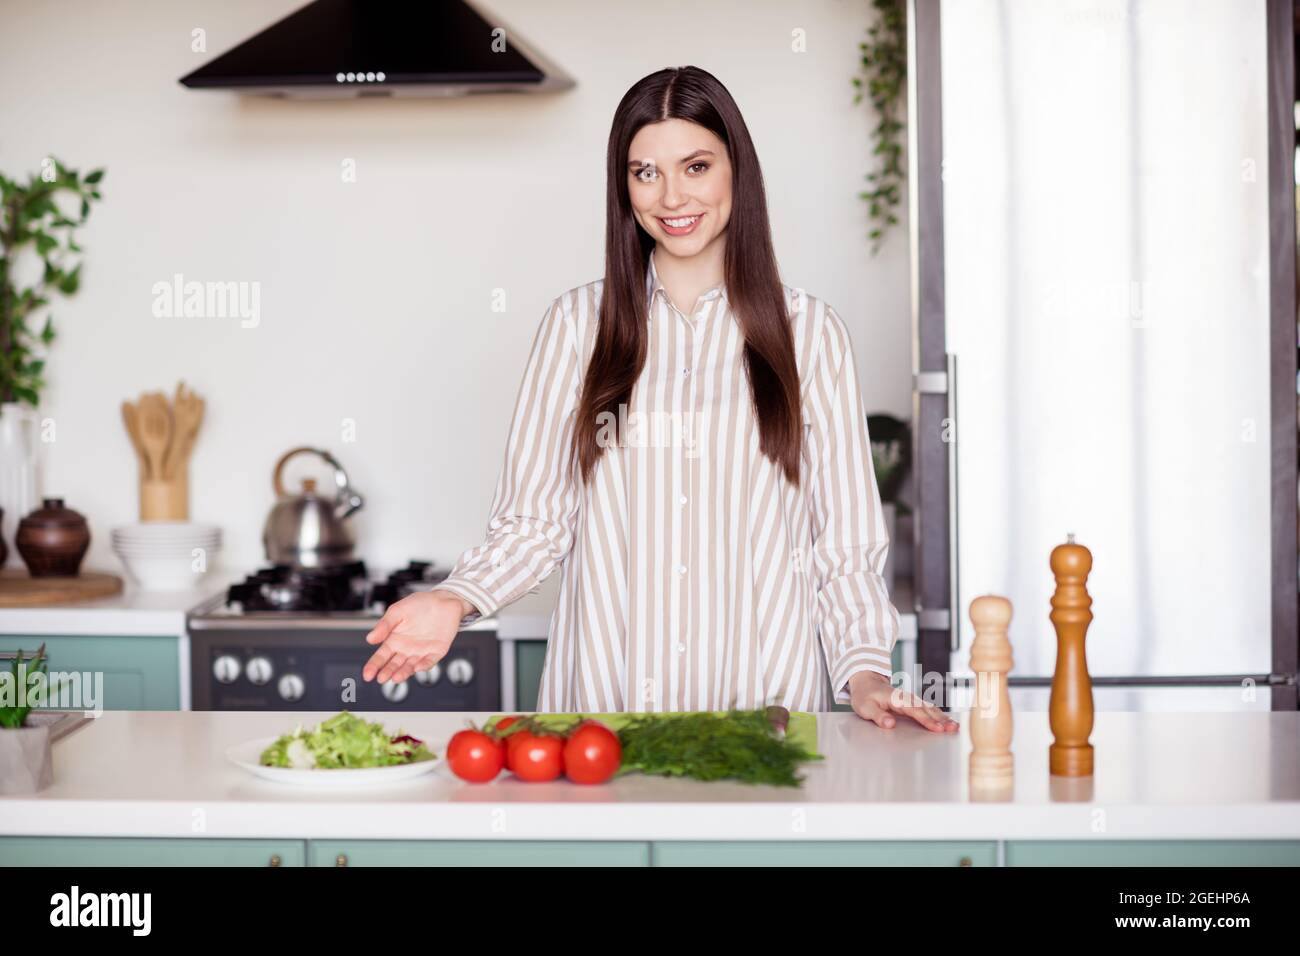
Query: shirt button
point(686, 371)
point(681, 648)
point(681, 569)
point(682, 500)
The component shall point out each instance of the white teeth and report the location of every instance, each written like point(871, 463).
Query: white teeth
point(681, 223)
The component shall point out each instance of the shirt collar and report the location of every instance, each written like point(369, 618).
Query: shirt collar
point(654, 286)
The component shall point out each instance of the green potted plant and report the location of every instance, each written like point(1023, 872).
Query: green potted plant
point(39, 259)
point(26, 765)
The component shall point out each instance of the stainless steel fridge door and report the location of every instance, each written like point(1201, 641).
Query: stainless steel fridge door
point(1107, 298)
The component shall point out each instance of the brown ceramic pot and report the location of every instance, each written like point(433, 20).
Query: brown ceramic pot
point(52, 540)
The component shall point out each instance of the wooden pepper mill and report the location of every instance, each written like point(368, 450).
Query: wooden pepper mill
point(991, 763)
point(1070, 709)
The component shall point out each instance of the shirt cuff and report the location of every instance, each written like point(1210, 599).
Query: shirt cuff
point(859, 659)
point(483, 602)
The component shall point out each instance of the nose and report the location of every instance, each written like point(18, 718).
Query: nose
point(674, 195)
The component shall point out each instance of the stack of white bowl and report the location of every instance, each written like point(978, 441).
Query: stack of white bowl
point(167, 555)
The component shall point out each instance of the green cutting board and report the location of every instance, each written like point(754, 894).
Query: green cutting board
point(801, 729)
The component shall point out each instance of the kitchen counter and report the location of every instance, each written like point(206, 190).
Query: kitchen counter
point(1159, 776)
point(132, 612)
point(138, 613)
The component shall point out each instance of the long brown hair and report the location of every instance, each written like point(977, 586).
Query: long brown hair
point(750, 273)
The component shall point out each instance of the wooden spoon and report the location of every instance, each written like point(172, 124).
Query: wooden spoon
point(130, 416)
point(178, 429)
point(156, 430)
point(188, 414)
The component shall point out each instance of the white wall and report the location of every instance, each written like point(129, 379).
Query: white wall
point(376, 295)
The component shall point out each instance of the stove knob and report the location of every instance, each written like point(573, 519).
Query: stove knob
point(396, 693)
point(460, 672)
point(226, 668)
point(429, 677)
point(291, 687)
point(259, 671)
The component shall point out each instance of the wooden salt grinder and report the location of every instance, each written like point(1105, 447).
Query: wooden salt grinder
point(1070, 709)
point(991, 763)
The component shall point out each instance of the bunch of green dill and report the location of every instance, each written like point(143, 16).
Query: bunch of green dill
point(737, 745)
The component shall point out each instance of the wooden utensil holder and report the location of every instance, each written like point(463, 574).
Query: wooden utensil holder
point(165, 500)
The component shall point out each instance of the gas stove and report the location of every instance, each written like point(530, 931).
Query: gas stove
point(289, 638)
point(344, 592)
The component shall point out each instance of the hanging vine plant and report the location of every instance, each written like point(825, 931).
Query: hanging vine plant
point(884, 65)
point(31, 220)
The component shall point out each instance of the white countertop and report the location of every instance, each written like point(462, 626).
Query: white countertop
point(132, 612)
point(1174, 776)
point(137, 613)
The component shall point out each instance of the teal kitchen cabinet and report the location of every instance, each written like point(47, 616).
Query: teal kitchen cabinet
point(823, 853)
point(139, 673)
point(114, 851)
point(1154, 853)
point(476, 853)
point(529, 658)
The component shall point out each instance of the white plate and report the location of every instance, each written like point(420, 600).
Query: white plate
point(165, 529)
point(161, 546)
point(169, 552)
point(171, 547)
point(247, 754)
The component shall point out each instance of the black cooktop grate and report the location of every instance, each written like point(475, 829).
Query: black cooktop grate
point(344, 587)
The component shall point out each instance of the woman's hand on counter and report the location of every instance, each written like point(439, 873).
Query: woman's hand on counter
point(414, 634)
point(876, 699)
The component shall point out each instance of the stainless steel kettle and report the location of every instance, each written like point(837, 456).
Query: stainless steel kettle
point(308, 530)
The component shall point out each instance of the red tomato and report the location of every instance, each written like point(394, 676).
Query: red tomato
point(456, 740)
point(504, 722)
point(592, 753)
point(513, 743)
point(475, 756)
point(536, 758)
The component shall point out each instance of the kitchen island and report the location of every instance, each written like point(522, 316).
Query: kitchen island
point(1169, 788)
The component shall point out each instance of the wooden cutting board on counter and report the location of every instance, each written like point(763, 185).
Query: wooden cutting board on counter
point(801, 729)
point(20, 589)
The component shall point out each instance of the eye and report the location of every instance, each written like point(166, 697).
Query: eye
point(701, 163)
point(644, 169)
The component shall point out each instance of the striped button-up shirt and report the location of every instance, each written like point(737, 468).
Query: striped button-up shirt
point(694, 576)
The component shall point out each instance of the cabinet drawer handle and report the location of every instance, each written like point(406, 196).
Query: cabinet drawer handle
point(275, 859)
point(341, 860)
point(965, 861)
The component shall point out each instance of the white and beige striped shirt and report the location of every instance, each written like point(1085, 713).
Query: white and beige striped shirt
point(694, 575)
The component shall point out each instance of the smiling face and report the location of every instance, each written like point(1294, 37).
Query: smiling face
point(679, 181)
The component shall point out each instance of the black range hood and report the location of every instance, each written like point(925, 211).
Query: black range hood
point(348, 48)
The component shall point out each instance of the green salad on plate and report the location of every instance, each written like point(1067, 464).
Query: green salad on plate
point(344, 742)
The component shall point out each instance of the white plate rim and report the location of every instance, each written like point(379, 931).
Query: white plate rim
point(164, 552)
point(239, 755)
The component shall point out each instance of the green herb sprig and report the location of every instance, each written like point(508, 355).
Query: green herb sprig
point(738, 745)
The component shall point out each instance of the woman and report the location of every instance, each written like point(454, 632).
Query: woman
point(690, 448)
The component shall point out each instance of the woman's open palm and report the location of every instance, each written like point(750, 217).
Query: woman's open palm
point(413, 635)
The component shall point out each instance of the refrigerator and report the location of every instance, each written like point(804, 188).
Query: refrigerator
point(1091, 245)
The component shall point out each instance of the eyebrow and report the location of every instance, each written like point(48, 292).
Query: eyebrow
point(685, 159)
